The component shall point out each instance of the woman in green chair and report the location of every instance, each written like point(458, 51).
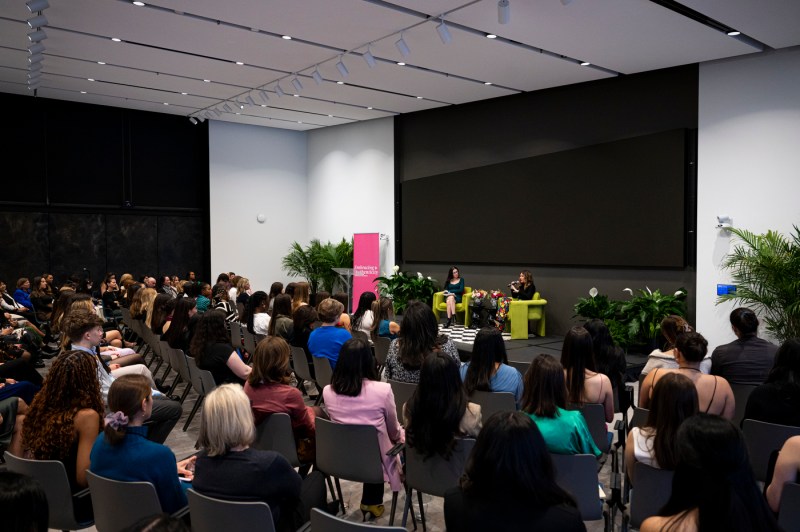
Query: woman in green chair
point(524, 288)
point(453, 291)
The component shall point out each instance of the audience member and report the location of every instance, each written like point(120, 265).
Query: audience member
point(274, 291)
point(220, 300)
point(363, 317)
point(326, 341)
point(178, 332)
point(488, 369)
point(382, 324)
point(12, 418)
point(303, 320)
point(584, 383)
point(748, 359)
point(778, 400)
point(203, 299)
point(281, 323)
point(509, 483)
point(787, 469)
point(255, 314)
point(23, 503)
point(671, 327)
point(212, 351)
point(610, 360)
point(300, 295)
point(163, 305)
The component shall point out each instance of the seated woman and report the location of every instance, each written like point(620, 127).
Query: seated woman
point(220, 300)
point(362, 318)
point(163, 305)
point(203, 300)
point(242, 291)
point(300, 295)
point(439, 412)
point(714, 394)
point(274, 291)
point(524, 288)
point(610, 360)
point(778, 399)
point(255, 314)
point(714, 487)
point(12, 419)
point(488, 369)
point(11, 305)
point(281, 324)
point(212, 351)
point(564, 431)
point(787, 469)
point(227, 468)
point(65, 418)
point(419, 335)
point(674, 400)
point(41, 298)
point(584, 383)
point(22, 295)
point(111, 297)
point(326, 341)
point(510, 483)
point(303, 321)
point(382, 324)
point(269, 390)
point(123, 452)
point(671, 327)
point(178, 331)
point(453, 292)
point(356, 397)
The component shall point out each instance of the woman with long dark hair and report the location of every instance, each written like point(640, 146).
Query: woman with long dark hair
point(255, 314)
point(523, 289)
point(281, 323)
point(382, 324)
point(488, 369)
point(419, 335)
point(300, 296)
point(355, 396)
point(363, 317)
point(439, 412)
point(714, 487)
point(674, 401)
point(163, 305)
point(609, 358)
point(509, 483)
point(184, 318)
point(303, 320)
point(211, 349)
point(564, 431)
point(584, 383)
point(453, 292)
point(778, 399)
point(274, 291)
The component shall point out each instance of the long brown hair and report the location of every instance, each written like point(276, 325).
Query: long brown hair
point(125, 395)
point(674, 400)
point(381, 310)
point(271, 362)
point(577, 356)
point(71, 385)
point(545, 390)
point(300, 296)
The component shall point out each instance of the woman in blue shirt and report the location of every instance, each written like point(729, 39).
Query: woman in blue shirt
point(488, 369)
point(123, 452)
point(453, 290)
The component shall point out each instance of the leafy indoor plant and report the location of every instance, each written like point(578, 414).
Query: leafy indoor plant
point(766, 272)
point(403, 287)
point(315, 262)
point(599, 306)
point(643, 313)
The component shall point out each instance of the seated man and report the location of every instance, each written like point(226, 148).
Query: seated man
point(85, 330)
point(748, 359)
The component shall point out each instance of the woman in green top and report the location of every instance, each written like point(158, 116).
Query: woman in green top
point(453, 291)
point(564, 431)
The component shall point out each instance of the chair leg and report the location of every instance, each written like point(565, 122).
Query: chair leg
point(186, 391)
point(331, 489)
point(339, 493)
point(421, 511)
point(394, 508)
point(193, 412)
point(175, 384)
point(406, 506)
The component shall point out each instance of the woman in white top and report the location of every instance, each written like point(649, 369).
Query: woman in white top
point(671, 327)
point(674, 400)
point(363, 318)
point(256, 315)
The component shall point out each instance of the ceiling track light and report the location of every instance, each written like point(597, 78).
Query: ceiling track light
point(227, 107)
point(402, 47)
point(201, 118)
point(317, 76)
point(296, 83)
point(369, 58)
point(503, 11)
point(263, 95)
point(193, 120)
point(34, 74)
point(36, 35)
point(279, 90)
point(36, 48)
point(37, 5)
point(35, 66)
point(250, 100)
point(340, 66)
point(38, 21)
point(444, 33)
point(35, 58)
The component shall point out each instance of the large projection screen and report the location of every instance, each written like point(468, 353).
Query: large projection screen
point(617, 204)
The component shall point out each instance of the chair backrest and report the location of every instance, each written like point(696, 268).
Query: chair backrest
point(350, 452)
point(325, 522)
point(789, 511)
point(402, 391)
point(117, 505)
point(493, 402)
point(381, 350)
point(249, 340)
point(166, 352)
point(181, 365)
point(762, 440)
point(522, 367)
point(435, 475)
point(577, 474)
point(212, 515)
point(639, 417)
point(300, 364)
point(275, 434)
point(595, 416)
point(236, 334)
point(197, 379)
point(741, 393)
point(651, 492)
point(52, 476)
point(322, 371)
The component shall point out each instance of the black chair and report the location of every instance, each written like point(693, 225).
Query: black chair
point(651, 492)
point(402, 391)
point(762, 440)
point(789, 510)
point(741, 393)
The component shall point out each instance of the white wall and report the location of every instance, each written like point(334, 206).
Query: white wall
point(351, 183)
point(748, 164)
point(256, 170)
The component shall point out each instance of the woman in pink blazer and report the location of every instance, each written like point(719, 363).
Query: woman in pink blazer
point(356, 397)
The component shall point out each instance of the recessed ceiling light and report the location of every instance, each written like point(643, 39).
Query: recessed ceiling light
point(287, 37)
point(263, 105)
point(239, 63)
point(238, 113)
point(83, 92)
point(340, 82)
point(734, 33)
point(166, 103)
point(296, 95)
point(400, 63)
point(299, 122)
point(185, 93)
point(369, 107)
point(585, 63)
point(137, 3)
point(89, 79)
point(491, 36)
point(419, 97)
point(100, 63)
point(487, 82)
point(116, 39)
point(330, 116)
point(207, 80)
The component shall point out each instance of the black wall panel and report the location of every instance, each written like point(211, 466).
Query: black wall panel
point(23, 235)
point(178, 250)
point(131, 244)
point(77, 244)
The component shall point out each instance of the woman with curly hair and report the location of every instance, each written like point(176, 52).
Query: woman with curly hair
point(211, 349)
point(66, 416)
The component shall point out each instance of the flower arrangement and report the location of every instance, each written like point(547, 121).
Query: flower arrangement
point(478, 296)
point(497, 294)
point(403, 287)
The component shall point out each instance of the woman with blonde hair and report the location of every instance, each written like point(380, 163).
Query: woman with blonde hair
point(301, 295)
point(228, 468)
point(142, 300)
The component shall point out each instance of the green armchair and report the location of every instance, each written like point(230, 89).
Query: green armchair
point(521, 312)
point(440, 306)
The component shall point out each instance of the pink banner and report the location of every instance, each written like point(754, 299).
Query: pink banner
point(366, 265)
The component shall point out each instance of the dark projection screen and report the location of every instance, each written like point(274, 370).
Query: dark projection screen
point(619, 203)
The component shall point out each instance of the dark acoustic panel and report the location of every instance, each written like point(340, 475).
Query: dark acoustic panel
point(23, 246)
point(169, 160)
point(78, 244)
point(614, 204)
point(132, 245)
point(180, 245)
point(22, 134)
point(85, 154)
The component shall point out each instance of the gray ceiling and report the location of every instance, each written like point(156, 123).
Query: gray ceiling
point(169, 47)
